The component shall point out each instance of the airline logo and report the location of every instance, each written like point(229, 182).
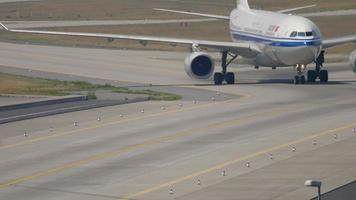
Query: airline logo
point(276, 29)
point(273, 28)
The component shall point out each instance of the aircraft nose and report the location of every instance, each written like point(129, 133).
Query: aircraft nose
point(300, 55)
point(310, 54)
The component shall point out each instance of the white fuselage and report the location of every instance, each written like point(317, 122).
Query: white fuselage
point(284, 40)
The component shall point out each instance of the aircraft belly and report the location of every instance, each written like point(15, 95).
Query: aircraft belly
point(295, 55)
point(286, 56)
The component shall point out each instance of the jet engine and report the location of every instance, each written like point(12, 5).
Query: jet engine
point(199, 65)
point(353, 60)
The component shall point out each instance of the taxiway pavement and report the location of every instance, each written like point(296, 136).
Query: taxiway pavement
point(262, 144)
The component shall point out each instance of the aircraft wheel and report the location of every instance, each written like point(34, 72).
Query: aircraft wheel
point(230, 78)
point(296, 80)
point(311, 76)
point(324, 76)
point(302, 80)
point(218, 78)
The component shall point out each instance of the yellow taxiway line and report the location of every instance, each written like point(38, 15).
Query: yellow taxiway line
point(235, 161)
point(178, 135)
point(175, 136)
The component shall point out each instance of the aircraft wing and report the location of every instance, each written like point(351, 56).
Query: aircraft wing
point(295, 9)
point(328, 43)
point(236, 47)
point(194, 13)
point(227, 17)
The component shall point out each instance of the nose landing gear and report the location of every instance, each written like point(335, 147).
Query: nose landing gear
point(312, 75)
point(300, 78)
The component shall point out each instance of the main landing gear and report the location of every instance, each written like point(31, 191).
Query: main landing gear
point(229, 77)
point(312, 75)
point(323, 75)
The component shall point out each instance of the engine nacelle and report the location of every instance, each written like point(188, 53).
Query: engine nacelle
point(353, 60)
point(199, 65)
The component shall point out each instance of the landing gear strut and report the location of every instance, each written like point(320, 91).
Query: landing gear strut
point(300, 78)
point(323, 75)
point(229, 77)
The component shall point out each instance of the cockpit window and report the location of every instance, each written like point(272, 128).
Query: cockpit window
point(293, 34)
point(301, 34)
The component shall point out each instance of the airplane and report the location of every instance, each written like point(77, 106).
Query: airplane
point(263, 38)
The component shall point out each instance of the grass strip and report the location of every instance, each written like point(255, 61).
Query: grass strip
point(22, 85)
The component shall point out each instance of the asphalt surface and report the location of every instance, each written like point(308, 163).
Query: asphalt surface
point(115, 65)
point(263, 144)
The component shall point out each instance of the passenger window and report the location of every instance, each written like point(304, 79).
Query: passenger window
point(309, 34)
point(293, 34)
point(301, 34)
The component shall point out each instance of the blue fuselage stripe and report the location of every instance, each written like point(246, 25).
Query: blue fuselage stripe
point(276, 41)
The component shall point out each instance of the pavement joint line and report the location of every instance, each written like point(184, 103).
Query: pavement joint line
point(133, 147)
point(66, 133)
point(235, 161)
